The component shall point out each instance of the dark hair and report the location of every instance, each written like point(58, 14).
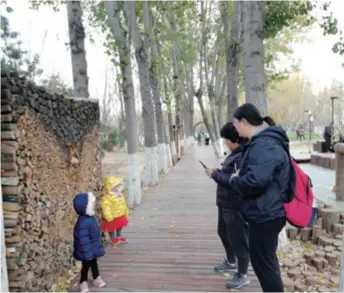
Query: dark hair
point(229, 131)
point(251, 114)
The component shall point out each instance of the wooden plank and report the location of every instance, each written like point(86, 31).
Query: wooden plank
point(9, 166)
point(11, 181)
point(10, 135)
point(8, 126)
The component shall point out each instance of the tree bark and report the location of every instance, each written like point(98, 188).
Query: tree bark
point(232, 50)
point(121, 37)
point(141, 55)
point(77, 48)
point(162, 152)
point(170, 146)
point(253, 49)
point(190, 105)
point(212, 93)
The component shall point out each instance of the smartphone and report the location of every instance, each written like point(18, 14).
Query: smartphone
point(204, 166)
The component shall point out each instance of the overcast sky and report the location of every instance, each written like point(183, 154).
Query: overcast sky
point(317, 60)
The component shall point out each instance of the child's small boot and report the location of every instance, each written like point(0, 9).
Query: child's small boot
point(99, 282)
point(84, 287)
point(123, 240)
point(115, 241)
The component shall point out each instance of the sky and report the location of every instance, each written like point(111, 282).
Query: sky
point(318, 62)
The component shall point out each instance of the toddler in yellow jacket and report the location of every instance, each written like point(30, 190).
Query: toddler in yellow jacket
point(114, 209)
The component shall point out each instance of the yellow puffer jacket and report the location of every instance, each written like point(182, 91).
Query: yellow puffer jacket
point(113, 206)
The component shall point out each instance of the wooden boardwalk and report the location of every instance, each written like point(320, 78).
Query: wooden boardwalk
point(173, 243)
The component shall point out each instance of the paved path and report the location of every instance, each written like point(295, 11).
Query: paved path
point(173, 243)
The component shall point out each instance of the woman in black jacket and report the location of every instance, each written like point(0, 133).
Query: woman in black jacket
point(263, 181)
point(231, 229)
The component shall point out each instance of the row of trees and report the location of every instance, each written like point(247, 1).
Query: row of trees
point(211, 51)
point(296, 95)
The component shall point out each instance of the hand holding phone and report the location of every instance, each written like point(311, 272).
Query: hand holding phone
point(203, 165)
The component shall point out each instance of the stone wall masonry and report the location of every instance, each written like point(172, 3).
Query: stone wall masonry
point(324, 160)
point(49, 153)
point(339, 149)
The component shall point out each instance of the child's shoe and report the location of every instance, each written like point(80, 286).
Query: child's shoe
point(99, 282)
point(123, 240)
point(115, 241)
point(84, 287)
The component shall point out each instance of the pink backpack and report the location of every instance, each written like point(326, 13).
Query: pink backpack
point(299, 211)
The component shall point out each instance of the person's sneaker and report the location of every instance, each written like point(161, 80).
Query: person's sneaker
point(84, 287)
point(115, 241)
point(226, 267)
point(238, 282)
point(123, 240)
point(99, 282)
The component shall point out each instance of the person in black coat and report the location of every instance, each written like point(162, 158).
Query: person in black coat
point(232, 229)
point(263, 182)
point(328, 136)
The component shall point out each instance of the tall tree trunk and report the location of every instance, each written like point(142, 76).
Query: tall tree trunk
point(177, 98)
point(211, 91)
point(232, 46)
point(121, 37)
point(77, 48)
point(162, 151)
point(220, 89)
point(199, 93)
point(141, 55)
point(253, 35)
point(170, 143)
point(190, 105)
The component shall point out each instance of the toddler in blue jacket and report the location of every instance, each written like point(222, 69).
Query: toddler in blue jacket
point(87, 240)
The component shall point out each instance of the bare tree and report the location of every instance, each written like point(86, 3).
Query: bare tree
point(162, 151)
point(121, 36)
point(77, 48)
point(199, 93)
point(141, 54)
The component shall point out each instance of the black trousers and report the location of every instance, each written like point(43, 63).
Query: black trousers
point(86, 265)
point(233, 232)
point(263, 240)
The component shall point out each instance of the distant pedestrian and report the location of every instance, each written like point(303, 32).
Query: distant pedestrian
point(199, 138)
point(328, 136)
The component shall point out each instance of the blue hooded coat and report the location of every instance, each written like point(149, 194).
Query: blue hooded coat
point(87, 235)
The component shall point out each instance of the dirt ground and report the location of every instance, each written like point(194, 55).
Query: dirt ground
point(116, 163)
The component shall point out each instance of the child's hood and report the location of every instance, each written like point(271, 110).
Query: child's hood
point(111, 182)
point(84, 204)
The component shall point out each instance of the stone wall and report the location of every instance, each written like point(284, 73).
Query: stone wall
point(324, 160)
point(49, 153)
point(339, 149)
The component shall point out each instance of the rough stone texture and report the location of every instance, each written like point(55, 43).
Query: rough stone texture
point(339, 149)
point(49, 153)
point(325, 160)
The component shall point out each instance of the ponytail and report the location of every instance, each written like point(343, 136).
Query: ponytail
point(269, 121)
